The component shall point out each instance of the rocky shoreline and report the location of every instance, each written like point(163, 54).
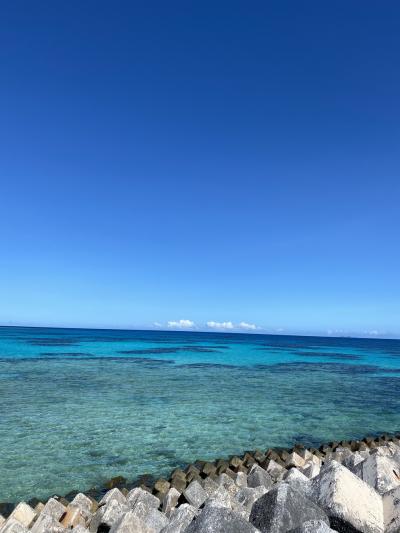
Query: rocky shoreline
point(347, 486)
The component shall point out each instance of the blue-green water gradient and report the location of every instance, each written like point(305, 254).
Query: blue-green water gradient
point(81, 406)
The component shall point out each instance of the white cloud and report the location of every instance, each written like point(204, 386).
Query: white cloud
point(336, 332)
point(220, 325)
point(230, 325)
point(246, 325)
point(182, 324)
point(157, 325)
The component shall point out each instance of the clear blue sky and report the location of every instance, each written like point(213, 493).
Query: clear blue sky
point(201, 161)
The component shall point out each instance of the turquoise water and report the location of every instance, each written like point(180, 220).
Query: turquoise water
point(81, 406)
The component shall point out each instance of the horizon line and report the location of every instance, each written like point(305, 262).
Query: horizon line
point(230, 332)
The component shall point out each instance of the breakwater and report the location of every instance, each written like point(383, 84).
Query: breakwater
point(346, 486)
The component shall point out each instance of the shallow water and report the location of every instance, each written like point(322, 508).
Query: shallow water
point(81, 406)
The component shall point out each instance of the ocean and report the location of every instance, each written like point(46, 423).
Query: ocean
point(80, 406)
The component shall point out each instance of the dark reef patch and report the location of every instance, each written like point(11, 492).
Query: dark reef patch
point(164, 349)
point(149, 351)
point(199, 349)
point(326, 355)
point(89, 358)
point(147, 361)
point(207, 365)
point(285, 346)
point(67, 354)
point(341, 368)
point(389, 370)
point(52, 342)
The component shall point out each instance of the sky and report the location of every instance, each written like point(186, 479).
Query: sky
point(222, 165)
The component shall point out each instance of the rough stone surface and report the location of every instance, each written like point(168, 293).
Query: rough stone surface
point(129, 523)
point(305, 454)
point(72, 517)
point(142, 510)
point(228, 484)
point(284, 508)
point(209, 485)
point(53, 508)
point(209, 468)
point(150, 516)
point(311, 469)
point(108, 515)
point(297, 480)
point(296, 460)
point(24, 514)
point(380, 472)
point(219, 520)
point(139, 495)
point(180, 519)
point(350, 503)
point(354, 460)
point(247, 496)
point(170, 500)
point(162, 485)
point(241, 479)
point(178, 483)
point(156, 520)
point(39, 508)
point(47, 524)
point(225, 480)
point(391, 510)
point(341, 453)
point(313, 526)
point(224, 499)
point(389, 449)
point(220, 498)
point(275, 470)
point(113, 495)
point(195, 494)
point(85, 504)
point(13, 526)
point(258, 477)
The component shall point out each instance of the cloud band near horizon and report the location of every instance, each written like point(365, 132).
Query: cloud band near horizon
point(211, 324)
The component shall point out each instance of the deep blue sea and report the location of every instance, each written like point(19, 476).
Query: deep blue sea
point(80, 406)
